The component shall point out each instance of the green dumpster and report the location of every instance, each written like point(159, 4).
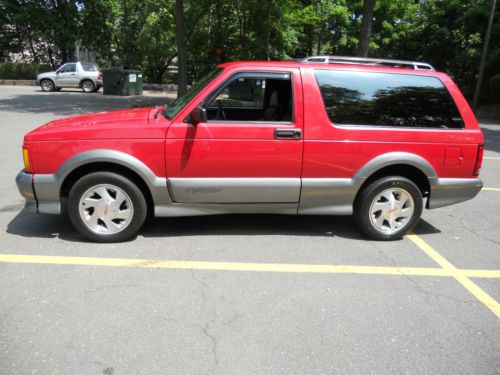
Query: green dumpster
point(138, 86)
point(117, 81)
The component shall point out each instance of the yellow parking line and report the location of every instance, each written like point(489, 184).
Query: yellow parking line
point(249, 267)
point(491, 189)
point(232, 266)
point(463, 279)
point(488, 274)
point(490, 158)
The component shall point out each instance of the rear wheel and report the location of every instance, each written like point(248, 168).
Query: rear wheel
point(47, 85)
point(88, 86)
point(106, 207)
point(388, 208)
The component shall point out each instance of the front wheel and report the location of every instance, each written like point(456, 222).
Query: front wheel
point(388, 208)
point(47, 85)
point(106, 207)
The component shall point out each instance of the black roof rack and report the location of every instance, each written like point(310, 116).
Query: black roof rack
point(370, 61)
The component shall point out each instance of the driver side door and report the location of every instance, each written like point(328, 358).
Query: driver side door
point(67, 76)
point(245, 151)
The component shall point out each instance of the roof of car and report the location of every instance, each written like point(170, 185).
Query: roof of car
point(323, 65)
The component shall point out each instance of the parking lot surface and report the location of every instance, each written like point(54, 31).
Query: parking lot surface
point(242, 294)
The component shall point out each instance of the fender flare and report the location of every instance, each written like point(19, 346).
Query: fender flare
point(156, 185)
point(394, 158)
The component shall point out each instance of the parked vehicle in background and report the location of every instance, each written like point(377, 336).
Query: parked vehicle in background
point(72, 75)
point(364, 138)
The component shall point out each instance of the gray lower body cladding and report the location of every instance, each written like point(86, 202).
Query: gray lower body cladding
point(191, 197)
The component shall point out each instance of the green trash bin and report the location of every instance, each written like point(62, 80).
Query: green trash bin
point(117, 81)
point(135, 82)
point(138, 86)
point(113, 82)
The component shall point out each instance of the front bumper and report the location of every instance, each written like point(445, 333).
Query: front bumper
point(448, 191)
point(40, 191)
point(24, 182)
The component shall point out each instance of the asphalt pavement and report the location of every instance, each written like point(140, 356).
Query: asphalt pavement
point(247, 294)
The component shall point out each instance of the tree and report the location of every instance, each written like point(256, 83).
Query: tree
point(366, 28)
point(181, 47)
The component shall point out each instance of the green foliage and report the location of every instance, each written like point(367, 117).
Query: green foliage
point(22, 71)
point(141, 33)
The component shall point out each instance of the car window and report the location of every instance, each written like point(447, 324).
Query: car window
point(89, 68)
point(68, 68)
point(386, 99)
point(243, 92)
point(252, 98)
point(173, 109)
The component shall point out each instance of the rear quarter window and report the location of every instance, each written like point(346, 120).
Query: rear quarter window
point(89, 68)
point(387, 99)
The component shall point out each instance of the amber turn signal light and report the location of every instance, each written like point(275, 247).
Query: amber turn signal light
point(26, 159)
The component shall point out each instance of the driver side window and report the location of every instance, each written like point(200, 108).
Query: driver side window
point(253, 98)
point(68, 68)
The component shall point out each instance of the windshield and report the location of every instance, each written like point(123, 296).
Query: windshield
point(181, 101)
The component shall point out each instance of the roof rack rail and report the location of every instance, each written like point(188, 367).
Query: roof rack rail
point(416, 65)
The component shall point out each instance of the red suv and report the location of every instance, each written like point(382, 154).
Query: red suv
point(374, 138)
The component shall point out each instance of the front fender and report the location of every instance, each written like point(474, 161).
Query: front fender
point(48, 186)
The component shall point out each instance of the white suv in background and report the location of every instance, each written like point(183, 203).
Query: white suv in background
point(74, 74)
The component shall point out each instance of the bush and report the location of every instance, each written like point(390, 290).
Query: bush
point(22, 70)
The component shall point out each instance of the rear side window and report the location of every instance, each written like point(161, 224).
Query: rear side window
point(89, 68)
point(386, 99)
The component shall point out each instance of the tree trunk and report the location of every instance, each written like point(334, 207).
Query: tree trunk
point(181, 48)
point(309, 32)
point(218, 35)
point(366, 28)
point(125, 36)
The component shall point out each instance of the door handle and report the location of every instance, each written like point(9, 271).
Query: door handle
point(288, 134)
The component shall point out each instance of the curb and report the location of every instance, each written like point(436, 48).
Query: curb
point(159, 87)
point(146, 86)
point(18, 82)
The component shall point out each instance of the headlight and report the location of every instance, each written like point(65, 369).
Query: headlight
point(26, 159)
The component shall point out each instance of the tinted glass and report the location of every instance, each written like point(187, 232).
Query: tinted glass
point(68, 68)
point(252, 98)
point(179, 103)
point(242, 92)
point(365, 98)
point(89, 68)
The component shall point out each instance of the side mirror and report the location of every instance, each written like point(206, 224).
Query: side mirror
point(199, 114)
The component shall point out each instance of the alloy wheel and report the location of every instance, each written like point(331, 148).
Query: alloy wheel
point(106, 209)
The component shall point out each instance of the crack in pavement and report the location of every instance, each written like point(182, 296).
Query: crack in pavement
point(205, 329)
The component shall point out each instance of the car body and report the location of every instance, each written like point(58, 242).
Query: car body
point(72, 75)
point(293, 138)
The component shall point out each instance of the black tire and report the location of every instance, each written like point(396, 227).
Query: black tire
point(365, 219)
point(88, 86)
point(47, 85)
point(135, 195)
